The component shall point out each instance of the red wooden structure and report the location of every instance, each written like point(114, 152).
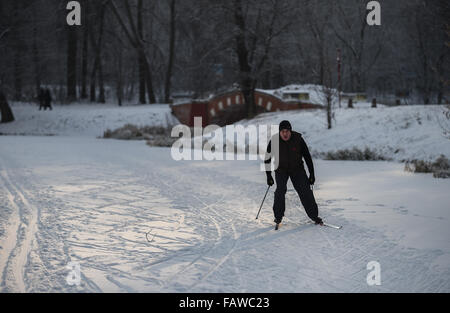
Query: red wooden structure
point(229, 107)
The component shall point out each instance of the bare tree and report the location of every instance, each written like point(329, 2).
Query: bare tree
point(5, 110)
point(206, 46)
point(18, 49)
point(85, 51)
point(318, 25)
point(327, 93)
point(255, 26)
point(172, 32)
point(204, 63)
point(352, 32)
point(72, 44)
point(97, 44)
point(134, 34)
point(36, 58)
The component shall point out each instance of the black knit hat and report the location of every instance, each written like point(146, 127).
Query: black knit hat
point(285, 125)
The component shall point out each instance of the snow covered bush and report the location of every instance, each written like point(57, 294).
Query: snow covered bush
point(155, 135)
point(159, 140)
point(127, 132)
point(440, 168)
point(418, 166)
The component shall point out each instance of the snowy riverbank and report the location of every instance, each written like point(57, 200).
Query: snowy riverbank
point(396, 133)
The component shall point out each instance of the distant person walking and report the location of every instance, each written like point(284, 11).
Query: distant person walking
point(41, 98)
point(48, 99)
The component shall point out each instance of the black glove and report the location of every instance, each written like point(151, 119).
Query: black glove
point(312, 179)
point(270, 181)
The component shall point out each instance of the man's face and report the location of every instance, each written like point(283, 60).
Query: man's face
point(285, 134)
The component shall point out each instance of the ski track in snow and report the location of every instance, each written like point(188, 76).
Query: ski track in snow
point(11, 232)
point(13, 267)
point(21, 233)
point(96, 210)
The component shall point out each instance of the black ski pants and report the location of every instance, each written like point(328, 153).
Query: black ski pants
point(301, 185)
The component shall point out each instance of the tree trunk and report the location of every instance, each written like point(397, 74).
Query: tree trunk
point(440, 93)
point(135, 37)
point(17, 76)
point(71, 63)
point(119, 88)
point(149, 80)
point(142, 71)
point(92, 88)
point(440, 69)
point(425, 80)
point(37, 70)
point(18, 48)
point(131, 81)
point(101, 96)
point(329, 112)
point(359, 83)
point(141, 55)
point(97, 69)
point(248, 91)
point(167, 86)
point(84, 62)
point(244, 66)
point(5, 110)
point(322, 67)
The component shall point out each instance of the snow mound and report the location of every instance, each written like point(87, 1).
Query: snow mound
point(399, 133)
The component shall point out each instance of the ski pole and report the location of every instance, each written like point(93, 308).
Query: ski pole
point(262, 202)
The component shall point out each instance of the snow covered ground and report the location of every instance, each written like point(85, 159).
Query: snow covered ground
point(398, 133)
point(93, 201)
point(84, 119)
point(136, 220)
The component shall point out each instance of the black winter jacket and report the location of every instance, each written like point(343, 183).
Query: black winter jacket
point(291, 154)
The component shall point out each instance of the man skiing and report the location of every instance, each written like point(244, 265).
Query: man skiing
point(291, 149)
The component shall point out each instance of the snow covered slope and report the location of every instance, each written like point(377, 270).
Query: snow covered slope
point(398, 133)
point(92, 201)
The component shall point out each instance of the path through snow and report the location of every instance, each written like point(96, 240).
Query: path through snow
point(93, 201)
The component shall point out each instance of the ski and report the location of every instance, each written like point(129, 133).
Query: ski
point(277, 226)
point(331, 225)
